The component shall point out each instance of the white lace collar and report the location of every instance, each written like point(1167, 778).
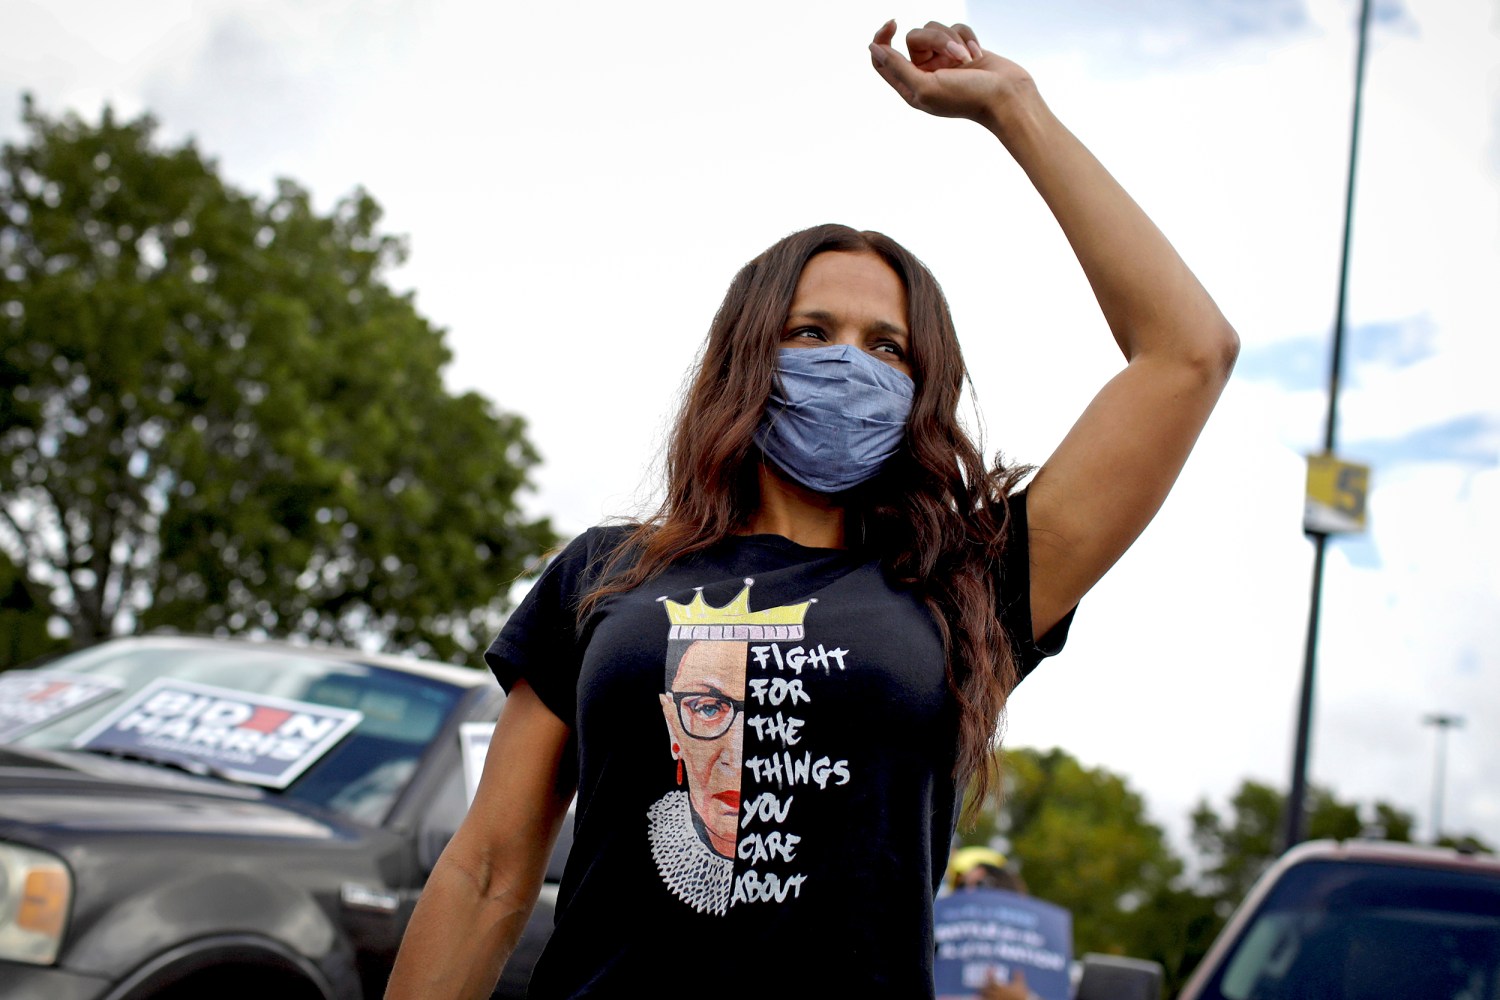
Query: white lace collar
point(690, 868)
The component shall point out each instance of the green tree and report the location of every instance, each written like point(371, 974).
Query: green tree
point(1468, 843)
point(1393, 823)
point(23, 618)
point(1176, 925)
point(1236, 849)
point(217, 416)
point(1083, 840)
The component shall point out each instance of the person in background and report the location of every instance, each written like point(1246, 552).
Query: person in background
point(986, 868)
point(983, 868)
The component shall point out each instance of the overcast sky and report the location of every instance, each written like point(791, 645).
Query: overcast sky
point(579, 183)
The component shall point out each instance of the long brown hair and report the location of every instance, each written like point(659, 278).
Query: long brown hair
point(936, 514)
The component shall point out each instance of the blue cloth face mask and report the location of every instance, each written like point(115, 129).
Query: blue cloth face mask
point(839, 415)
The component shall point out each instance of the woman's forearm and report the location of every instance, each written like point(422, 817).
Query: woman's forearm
point(484, 885)
point(460, 935)
point(1107, 478)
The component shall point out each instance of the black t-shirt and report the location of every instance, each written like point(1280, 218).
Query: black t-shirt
point(765, 743)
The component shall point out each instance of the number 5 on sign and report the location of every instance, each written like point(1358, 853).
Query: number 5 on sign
point(1336, 495)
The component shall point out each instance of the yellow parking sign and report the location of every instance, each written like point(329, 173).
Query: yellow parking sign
point(1336, 495)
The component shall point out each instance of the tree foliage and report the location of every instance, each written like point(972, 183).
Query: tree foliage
point(1235, 849)
point(23, 617)
point(217, 416)
point(1468, 842)
point(1084, 841)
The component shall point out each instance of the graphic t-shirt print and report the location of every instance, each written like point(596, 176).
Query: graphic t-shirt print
point(734, 677)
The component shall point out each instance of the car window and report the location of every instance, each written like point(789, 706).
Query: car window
point(1340, 930)
point(360, 777)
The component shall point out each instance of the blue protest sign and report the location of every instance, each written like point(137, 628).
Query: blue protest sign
point(984, 934)
point(254, 738)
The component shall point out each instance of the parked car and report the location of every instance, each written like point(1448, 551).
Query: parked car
point(185, 818)
point(1360, 921)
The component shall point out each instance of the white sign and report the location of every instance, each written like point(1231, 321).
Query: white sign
point(253, 738)
point(29, 698)
point(474, 743)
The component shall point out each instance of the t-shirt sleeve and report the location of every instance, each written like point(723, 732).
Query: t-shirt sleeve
point(540, 639)
point(1015, 598)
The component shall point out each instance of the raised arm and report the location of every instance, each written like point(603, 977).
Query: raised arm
point(1109, 476)
point(482, 889)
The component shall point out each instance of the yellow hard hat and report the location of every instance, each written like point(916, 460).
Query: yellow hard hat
point(965, 858)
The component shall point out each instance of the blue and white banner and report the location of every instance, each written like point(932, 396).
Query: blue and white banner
point(29, 698)
point(254, 738)
point(986, 935)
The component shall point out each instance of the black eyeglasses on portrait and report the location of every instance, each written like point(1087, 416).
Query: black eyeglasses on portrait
point(704, 715)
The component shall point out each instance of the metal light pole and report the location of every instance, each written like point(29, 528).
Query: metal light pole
point(1443, 724)
point(1296, 807)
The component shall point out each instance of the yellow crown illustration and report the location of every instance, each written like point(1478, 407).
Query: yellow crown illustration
point(699, 620)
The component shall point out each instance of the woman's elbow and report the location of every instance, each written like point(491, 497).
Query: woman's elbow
point(1225, 349)
point(1212, 354)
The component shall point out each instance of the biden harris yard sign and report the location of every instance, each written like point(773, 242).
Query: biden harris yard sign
point(247, 737)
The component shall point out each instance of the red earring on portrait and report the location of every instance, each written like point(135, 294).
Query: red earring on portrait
point(677, 756)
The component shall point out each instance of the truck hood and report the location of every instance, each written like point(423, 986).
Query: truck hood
point(55, 796)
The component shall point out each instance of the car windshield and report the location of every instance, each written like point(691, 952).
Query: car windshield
point(358, 777)
point(1342, 930)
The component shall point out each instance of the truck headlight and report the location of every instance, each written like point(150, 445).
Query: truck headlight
point(36, 890)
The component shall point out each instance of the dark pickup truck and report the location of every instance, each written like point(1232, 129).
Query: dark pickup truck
point(1361, 920)
point(1351, 920)
point(198, 818)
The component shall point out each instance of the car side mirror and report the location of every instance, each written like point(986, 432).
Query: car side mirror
point(1111, 977)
